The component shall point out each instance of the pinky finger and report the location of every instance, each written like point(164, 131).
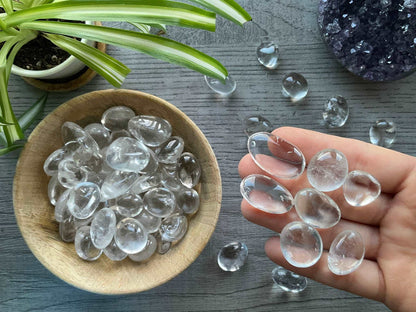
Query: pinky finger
point(366, 281)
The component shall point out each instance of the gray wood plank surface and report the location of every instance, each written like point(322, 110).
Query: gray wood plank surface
point(25, 285)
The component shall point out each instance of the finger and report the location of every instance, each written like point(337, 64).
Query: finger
point(370, 234)
point(366, 281)
point(371, 214)
point(390, 168)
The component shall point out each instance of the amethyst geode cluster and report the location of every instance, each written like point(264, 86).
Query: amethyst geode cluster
point(374, 39)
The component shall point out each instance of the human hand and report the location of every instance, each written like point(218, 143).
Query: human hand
point(388, 225)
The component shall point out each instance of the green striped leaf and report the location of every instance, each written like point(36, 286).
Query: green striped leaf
point(156, 46)
point(226, 8)
point(111, 69)
point(4, 122)
point(11, 148)
point(140, 11)
point(29, 116)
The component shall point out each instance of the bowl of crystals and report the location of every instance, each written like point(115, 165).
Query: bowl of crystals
point(117, 192)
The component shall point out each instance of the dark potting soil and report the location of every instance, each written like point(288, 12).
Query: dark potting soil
point(40, 54)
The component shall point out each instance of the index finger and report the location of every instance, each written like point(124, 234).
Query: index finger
point(390, 168)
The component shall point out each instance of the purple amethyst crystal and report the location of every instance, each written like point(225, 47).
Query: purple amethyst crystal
point(375, 40)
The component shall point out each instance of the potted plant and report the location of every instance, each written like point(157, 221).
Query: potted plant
point(55, 20)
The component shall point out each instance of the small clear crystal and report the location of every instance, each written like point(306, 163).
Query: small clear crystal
point(127, 154)
point(187, 200)
point(144, 183)
point(99, 133)
point(276, 156)
point(301, 244)
point(268, 53)
point(361, 188)
point(113, 252)
point(67, 230)
point(61, 207)
point(149, 221)
point(171, 150)
point(147, 252)
point(163, 246)
point(346, 253)
point(189, 170)
point(151, 130)
point(84, 246)
point(129, 204)
point(295, 87)
point(159, 202)
point(327, 170)
point(232, 256)
point(83, 200)
point(256, 123)
point(117, 117)
point(266, 194)
point(223, 89)
point(55, 190)
point(173, 228)
point(131, 236)
point(117, 183)
point(383, 133)
point(336, 112)
point(52, 162)
point(70, 174)
point(289, 281)
point(103, 227)
point(317, 209)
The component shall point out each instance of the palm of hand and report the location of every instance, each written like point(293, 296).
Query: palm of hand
point(388, 225)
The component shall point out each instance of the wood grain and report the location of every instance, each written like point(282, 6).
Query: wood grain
point(34, 214)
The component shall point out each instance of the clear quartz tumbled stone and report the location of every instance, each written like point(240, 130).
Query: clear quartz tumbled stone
point(301, 244)
point(187, 200)
point(70, 174)
point(103, 227)
point(127, 154)
point(173, 228)
point(295, 87)
point(151, 130)
point(131, 236)
point(113, 252)
point(289, 281)
point(149, 221)
point(55, 190)
point(222, 89)
point(361, 188)
point(52, 162)
point(116, 184)
point(117, 117)
point(84, 246)
point(99, 133)
point(256, 123)
point(61, 207)
point(317, 209)
point(129, 204)
point(346, 253)
point(171, 150)
point(159, 202)
point(266, 194)
point(268, 53)
point(67, 230)
point(83, 200)
point(188, 170)
point(327, 170)
point(232, 256)
point(147, 252)
point(336, 112)
point(276, 156)
point(383, 133)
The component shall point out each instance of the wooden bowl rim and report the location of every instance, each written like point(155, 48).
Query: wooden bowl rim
point(60, 111)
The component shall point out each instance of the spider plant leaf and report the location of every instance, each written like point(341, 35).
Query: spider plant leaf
point(7, 6)
point(142, 27)
point(227, 8)
point(111, 69)
point(29, 116)
point(10, 148)
point(140, 11)
point(156, 46)
point(4, 122)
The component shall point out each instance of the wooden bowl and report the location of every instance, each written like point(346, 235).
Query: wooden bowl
point(34, 213)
